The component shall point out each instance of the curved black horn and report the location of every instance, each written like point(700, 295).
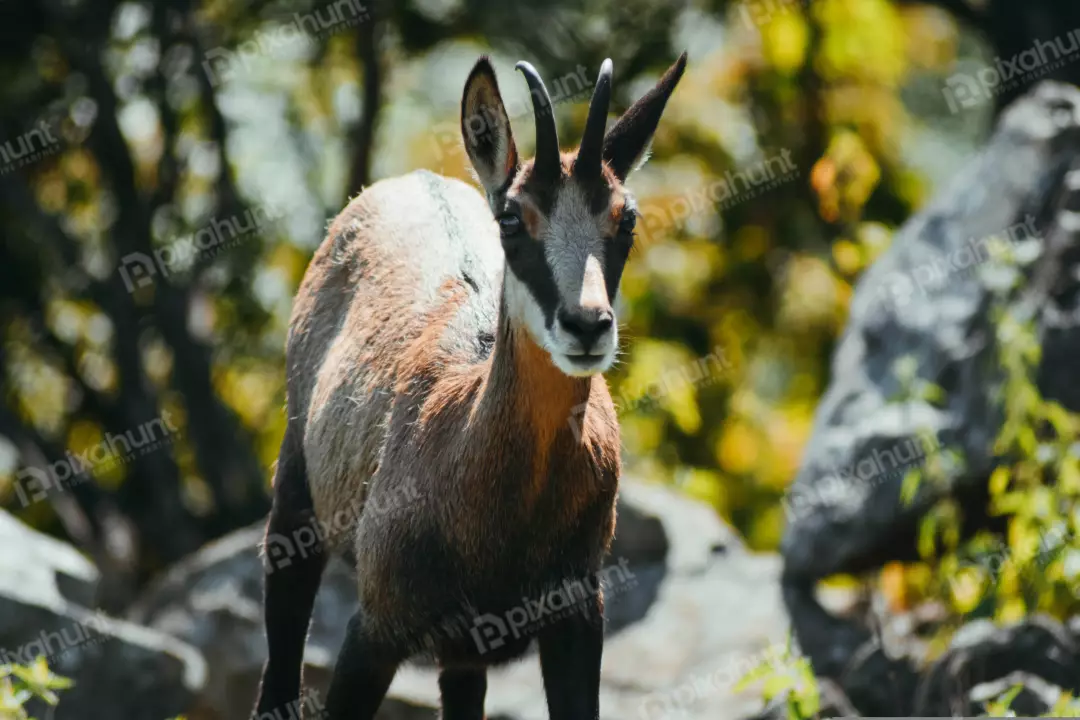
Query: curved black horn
point(547, 162)
point(587, 164)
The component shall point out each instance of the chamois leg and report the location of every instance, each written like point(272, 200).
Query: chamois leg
point(570, 653)
point(293, 565)
point(463, 691)
point(362, 675)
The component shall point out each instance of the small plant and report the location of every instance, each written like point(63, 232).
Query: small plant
point(789, 677)
point(1035, 486)
point(1066, 706)
point(20, 684)
point(1001, 706)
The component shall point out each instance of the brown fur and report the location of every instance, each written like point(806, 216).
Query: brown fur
point(489, 441)
point(436, 350)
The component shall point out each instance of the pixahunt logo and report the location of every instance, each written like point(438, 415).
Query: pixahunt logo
point(644, 396)
point(721, 194)
point(698, 373)
point(900, 288)
point(756, 179)
point(279, 551)
point(490, 631)
point(844, 486)
point(307, 707)
point(757, 13)
point(53, 645)
point(138, 269)
point(964, 90)
point(35, 483)
point(222, 64)
point(679, 702)
point(566, 88)
point(32, 145)
point(992, 565)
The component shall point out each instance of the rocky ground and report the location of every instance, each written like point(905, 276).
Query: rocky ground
point(696, 611)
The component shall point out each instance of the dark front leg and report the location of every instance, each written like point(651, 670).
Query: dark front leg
point(362, 675)
point(293, 566)
point(570, 652)
point(463, 691)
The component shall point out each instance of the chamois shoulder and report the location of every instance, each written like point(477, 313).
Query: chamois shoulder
point(386, 269)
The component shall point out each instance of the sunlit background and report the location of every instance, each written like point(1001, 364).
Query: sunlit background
point(734, 297)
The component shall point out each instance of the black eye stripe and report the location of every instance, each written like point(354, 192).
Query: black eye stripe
point(509, 224)
point(530, 266)
point(614, 262)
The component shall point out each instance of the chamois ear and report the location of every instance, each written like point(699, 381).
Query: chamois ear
point(485, 128)
point(630, 136)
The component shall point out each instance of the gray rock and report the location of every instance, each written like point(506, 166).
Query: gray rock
point(213, 600)
point(982, 662)
point(120, 670)
point(697, 611)
point(1004, 235)
point(43, 566)
point(925, 309)
point(1039, 652)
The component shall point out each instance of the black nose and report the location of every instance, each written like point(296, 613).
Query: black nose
point(586, 324)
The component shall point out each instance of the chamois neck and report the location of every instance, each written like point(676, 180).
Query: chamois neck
point(524, 384)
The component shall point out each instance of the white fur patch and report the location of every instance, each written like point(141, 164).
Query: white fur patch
point(571, 236)
point(523, 308)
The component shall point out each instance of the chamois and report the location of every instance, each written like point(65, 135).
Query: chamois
point(455, 346)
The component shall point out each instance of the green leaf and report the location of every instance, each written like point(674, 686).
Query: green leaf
point(910, 486)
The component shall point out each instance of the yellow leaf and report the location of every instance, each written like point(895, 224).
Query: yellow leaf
point(738, 448)
point(784, 41)
point(999, 480)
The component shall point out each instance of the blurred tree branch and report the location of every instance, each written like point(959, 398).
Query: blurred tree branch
point(362, 137)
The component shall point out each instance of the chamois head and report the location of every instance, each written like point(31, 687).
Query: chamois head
point(565, 219)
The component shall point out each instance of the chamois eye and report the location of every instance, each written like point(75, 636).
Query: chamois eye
point(509, 224)
point(627, 223)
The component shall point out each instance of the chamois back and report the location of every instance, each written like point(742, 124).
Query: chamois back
point(417, 255)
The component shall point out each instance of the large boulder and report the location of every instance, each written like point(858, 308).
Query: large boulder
point(921, 316)
point(120, 670)
point(915, 385)
point(43, 566)
point(694, 612)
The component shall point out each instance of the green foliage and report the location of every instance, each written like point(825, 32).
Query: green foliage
point(20, 684)
point(1066, 706)
point(1035, 488)
point(1001, 706)
point(788, 677)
